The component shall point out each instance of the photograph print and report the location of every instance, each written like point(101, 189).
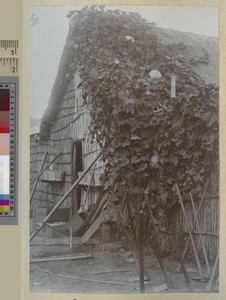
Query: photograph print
point(124, 149)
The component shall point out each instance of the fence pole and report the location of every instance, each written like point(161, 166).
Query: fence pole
point(157, 247)
point(189, 232)
point(200, 235)
point(198, 211)
point(142, 288)
point(210, 284)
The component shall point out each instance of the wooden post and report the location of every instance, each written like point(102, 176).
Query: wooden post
point(71, 231)
point(130, 217)
point(187, 280)
point(157, 249)
point(198, 211)
point(200, 235)
point(189, 232)
point(142, 288)
point(173, 86)
point(49, 164)
point(36, 183)
point(210, 284)
point(75, 184)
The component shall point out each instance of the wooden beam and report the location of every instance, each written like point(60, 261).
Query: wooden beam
point(142, 288)
point(93, 228)
point(61, 258)
point(200, 234)
point(84, 279)
point(110, 271)
point(213, 274)
point(181, 261)
point(198, 211)
point(189, 232)
point(156, 248)
point(99, 203)
point(130, 217)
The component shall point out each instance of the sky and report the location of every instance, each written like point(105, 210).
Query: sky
point(48, 36)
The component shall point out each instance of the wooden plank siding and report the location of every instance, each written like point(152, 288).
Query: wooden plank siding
point(209, 225)
point(71, 125)
point(37, 153)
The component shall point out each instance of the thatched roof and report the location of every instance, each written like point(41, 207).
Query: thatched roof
point(198, 45)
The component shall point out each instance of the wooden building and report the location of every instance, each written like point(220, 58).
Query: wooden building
point(65, 129)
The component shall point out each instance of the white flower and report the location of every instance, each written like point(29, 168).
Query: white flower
point(155, 74)
point(129, 38)
point(154, 160)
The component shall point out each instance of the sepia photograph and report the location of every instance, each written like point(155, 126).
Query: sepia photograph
point(124, 149)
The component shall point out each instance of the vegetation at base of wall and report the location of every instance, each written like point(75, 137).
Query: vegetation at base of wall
point(150, 141)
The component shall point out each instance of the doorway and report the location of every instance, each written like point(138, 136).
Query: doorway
point(77, 166)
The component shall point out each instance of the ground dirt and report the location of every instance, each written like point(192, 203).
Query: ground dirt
point(108, 271)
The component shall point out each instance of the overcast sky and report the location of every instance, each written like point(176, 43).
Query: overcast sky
point(49, 34)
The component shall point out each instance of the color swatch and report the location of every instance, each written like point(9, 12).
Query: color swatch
point(4, 122)
point(9, 96)
point(4, 149)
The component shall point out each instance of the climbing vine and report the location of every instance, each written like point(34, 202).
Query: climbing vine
point(149, 140)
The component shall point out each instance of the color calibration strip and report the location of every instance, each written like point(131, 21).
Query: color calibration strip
point(8, 97)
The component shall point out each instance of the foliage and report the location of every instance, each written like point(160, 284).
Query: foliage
point(149, 139)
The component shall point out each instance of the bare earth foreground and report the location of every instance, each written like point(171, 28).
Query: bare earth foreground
point(111, 269)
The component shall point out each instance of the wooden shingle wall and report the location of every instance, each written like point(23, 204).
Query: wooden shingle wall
point(71, 125)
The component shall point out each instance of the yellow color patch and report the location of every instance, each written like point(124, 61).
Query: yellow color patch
point(4, 208)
